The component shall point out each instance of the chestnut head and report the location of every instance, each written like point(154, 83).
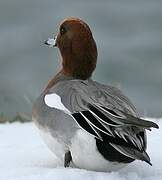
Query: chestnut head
point(77, 47)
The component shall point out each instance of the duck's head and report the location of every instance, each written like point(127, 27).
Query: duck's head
point(77, 47)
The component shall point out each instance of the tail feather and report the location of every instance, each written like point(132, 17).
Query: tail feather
point(132, 153)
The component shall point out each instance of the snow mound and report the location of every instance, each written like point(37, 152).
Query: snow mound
point(24, 156)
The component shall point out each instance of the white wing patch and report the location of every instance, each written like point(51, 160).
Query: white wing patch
point(54, 101)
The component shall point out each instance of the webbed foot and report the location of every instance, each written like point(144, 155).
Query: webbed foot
point(67, 159)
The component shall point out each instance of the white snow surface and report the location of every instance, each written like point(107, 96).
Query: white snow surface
point(24, 156)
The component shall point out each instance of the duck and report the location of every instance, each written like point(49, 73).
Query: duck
point(87, 124)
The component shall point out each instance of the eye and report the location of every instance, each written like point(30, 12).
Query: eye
point(62, 30)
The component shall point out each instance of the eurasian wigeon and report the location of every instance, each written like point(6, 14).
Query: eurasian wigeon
point(85, 123)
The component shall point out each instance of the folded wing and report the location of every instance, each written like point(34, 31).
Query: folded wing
point(108, 115)
point(124, 133)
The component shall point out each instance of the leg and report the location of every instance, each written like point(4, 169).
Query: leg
point(67, 159)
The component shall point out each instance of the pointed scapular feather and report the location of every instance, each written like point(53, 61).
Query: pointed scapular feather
point(128, 119)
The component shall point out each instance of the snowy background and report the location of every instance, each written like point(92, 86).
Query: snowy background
point(128, 35)
point(24, 156)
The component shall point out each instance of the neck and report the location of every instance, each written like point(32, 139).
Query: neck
point(80, 62)
point(60, 76)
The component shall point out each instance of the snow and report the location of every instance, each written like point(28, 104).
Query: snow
point(51, 42)
point(24, 156)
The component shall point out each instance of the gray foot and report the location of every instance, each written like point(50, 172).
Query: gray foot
point(67, 159)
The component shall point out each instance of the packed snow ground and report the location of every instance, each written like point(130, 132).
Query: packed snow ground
point(24, 156)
